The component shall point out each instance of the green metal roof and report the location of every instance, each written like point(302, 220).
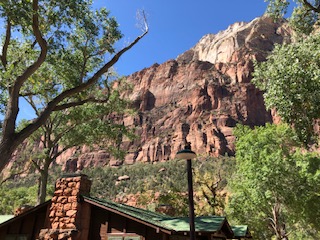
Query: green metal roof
point(240, 230)
point(202, 224)
point(4, 218)
point(178, 224)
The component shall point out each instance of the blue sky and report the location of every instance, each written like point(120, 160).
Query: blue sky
point(174, 26)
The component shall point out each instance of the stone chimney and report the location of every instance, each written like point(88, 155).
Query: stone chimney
point(68, 217)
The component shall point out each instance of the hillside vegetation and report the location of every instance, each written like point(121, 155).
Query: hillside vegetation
point(166, 180)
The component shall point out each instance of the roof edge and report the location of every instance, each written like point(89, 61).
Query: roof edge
point(31, 210)
point(109, 208)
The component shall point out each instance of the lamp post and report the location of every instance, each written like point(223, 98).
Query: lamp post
point(187, 154)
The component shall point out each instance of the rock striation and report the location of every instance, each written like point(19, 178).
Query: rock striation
point(201, 96)
point(198, 97)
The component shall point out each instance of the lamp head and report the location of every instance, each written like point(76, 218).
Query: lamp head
point(186, 153)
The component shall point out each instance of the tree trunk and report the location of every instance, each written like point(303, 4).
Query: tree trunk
point(7, 147)
point(277, 224)
point(9, 139)
point(42, 191)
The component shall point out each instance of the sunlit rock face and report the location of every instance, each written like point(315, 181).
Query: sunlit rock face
point(203, 94)
point(233, 50)
point(199, 97)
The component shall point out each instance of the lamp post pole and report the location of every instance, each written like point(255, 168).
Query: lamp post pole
point(187, 154)
point(191, 202)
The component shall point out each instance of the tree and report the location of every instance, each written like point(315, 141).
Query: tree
point(304, 17)
point(64, 37)
point(291, 80)
point(275, 188)
point(210, 184)
point(12, 198)
point(89, 124)
point(290, 76)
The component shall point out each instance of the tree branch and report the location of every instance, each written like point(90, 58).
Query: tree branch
point(32, 104)
point(42, 43)
point(28, 94)
point(58, 153)
point(70, 92)
point(13, 102)
point(12, 176)
point(79, 103)
point(310, 6)
point(36, 165)
point(85, 59)
point(6, 44)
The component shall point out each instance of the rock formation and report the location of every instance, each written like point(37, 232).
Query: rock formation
point(198, 97)
point(203, 94)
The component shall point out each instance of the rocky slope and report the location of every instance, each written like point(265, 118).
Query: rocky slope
point(198, 97)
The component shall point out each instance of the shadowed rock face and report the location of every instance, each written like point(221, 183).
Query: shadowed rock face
point(198, 97)
point(203, 94)
point(196, 103)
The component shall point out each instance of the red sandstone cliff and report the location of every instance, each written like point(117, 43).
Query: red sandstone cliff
point(198, 97)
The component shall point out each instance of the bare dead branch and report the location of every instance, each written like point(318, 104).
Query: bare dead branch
point(142, 21)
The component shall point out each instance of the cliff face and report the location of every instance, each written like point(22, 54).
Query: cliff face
point(198, 97)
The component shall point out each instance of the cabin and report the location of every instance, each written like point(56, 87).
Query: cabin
point(72, 214)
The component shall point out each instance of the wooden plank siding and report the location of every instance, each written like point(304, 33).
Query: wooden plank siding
point(105, 223)
point(25, 224)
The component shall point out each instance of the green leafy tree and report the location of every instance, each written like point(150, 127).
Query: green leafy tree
point(275, 188)
point(89, 124)
point(304, 17)
point(177, 200)
point(290, 76)
point(67, 38)
point(13, 198)
point(210, 184)
point(291, 80)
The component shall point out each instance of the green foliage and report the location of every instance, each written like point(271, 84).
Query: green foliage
point(77, 38)
point(272, 171)
point(210, 183)
point(303, 20)
point(158, 177)
point(291, 80)
point(304, 16)
point(12, 198)
point(177, 200)
point(87, 124)
point(162, 183)
point(277, 8)
point(58, 55)
point(154, 184)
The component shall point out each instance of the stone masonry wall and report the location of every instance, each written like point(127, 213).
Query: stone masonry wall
point(69, 217)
